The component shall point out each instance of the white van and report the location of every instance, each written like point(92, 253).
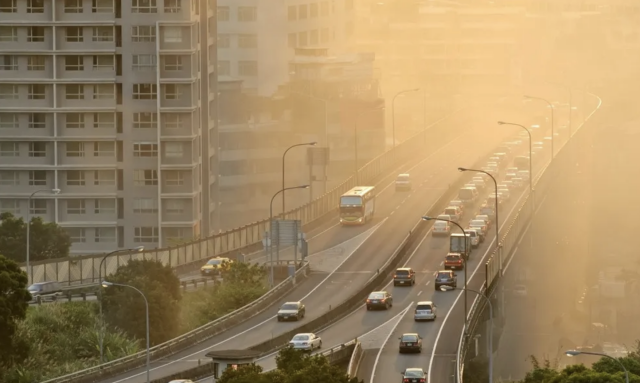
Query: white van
point(403, 182)
point(43, 290)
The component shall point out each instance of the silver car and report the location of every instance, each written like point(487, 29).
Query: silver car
point(306, 341)
point(425, 310)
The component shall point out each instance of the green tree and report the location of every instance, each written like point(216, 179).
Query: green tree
point(578, 373)
point(124, 308)
point(14, 301)
point(48, 239)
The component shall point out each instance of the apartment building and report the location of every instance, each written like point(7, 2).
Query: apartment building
point(256, 38)
point(109, 102)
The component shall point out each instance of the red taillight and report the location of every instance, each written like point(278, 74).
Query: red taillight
point(368, 300)
point(405, 380)
point(422, 380)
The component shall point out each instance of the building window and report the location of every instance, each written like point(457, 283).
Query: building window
point(143, 34)
point(145, 234)
point(173, 178)
point(36, 63)
point(74, 120)
point(247, 68)
point(35, 35)
point(9, 92)
point(145, 92)
point(172, 63)
point(10, 206)
point(74, 63)
point(171, 91)
point(8, 34)
point(247, 14)
point(302, 11)
point(145, 205)
point(76, 206)
point(38, 207)
point(9, 121)
point(247, 41)
point(104, 206)
point(75, 178)
point(35, 6)
point(37, 178)
point(144, 149)
point(101, 6)
point(173, 149)
point(9, 149)
point(224, 68)
point(37, 149)
point(173, 121)
point(9, 178)
point(174, 206)
point(324, 35)
point(72, 6)
point(172, 34)
point(8, 62)
point(75, 149)
point(104, 235)
point(223, 13)
point(104, 92)
point(74, 35)
point(145, 177)
point(143, 6)
point(36, 92)
point(37, 120)
point(292, 13)
point(324, 8)
point(145, 120)
point(313, 37)
point(104, 178)
point(76, 234)
point(224, 40)
point(102, 34)
point(292, 40)
point(74, 91)
point(313, 10)
point(302, 39)
point(8, 6)
point(104, 121)
point(172, 6)
point(104, 62)
point(144, 62)
point(104, 149)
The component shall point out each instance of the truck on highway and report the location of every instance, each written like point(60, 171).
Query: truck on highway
point(457, 244)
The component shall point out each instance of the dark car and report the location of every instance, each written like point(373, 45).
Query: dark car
point(414, 375)
point(446, 278)
point(453, 261)
point(404, 276)
point(379, 300)
point(410, 342)
point(291, 311)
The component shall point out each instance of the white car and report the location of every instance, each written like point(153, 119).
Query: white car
point(517, 182)
point(506, 194)
point(425, 310)
point(524, 174)
point(306, 341)
point(441, 228)
point(475, 237)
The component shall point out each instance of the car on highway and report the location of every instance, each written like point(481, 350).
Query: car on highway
point(446, 278)
point(403, 182)
point(509, 176)
point(506, 184)
point(291, 311)
point(453, 261)
point(468, 195)
point(404, 276)
point(306, 341)
point(484, 218)
point(475, 237)
point(489, 209)
point(457, 203)
point(512, 170)
point(214, 266)
point(524, 174)
point(425, 310)
point(441, 228)
point(506, 194)
point(42, 290)
point(518, 183)
point(479, 183)
point(379, 300)
point(410, 342)
point(481, 226)
point(454, 212)
point(414, 375)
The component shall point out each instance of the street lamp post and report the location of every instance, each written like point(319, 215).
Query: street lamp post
point(495, 183)
point(271, 224)
point(53, 191)
point(146, 306)
point(486, 298)
point(393, 111)
point(283, 168)
point(101, 334)
point(576, 353)
point(553, 137)
point(466, 256)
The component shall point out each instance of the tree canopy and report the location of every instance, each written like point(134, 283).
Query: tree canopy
point(124, 308)
point(14, 301)
point(293, 366)
point(48, 239)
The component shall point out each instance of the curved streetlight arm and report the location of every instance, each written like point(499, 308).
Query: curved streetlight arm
point(283, 167)
point(577, 352)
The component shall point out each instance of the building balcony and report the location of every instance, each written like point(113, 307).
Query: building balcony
point(85, 159)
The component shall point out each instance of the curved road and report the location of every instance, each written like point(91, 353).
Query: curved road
point(396, 214)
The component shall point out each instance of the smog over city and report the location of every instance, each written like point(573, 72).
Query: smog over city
point(341, 191)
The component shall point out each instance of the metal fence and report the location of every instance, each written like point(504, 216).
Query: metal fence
point(84, 269)
point(501, 256)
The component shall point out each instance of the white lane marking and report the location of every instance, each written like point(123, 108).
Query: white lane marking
point(427, 284)
point(375, 363)
point(373, 230)
point(420, 292)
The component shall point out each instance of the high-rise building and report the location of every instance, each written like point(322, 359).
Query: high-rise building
point(114, 104)
point(256, 39)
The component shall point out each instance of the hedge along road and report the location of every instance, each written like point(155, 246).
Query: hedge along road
point(433, 175)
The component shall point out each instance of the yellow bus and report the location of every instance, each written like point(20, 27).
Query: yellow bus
point(357, 205)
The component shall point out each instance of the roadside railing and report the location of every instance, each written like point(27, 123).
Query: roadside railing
point(356, 358)
point(500, 257)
